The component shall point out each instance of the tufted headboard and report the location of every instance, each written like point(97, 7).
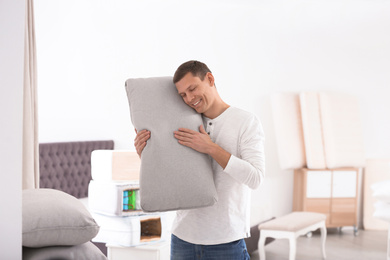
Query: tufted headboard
point(66, 166)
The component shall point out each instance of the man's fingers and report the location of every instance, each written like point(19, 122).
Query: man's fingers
point(141, 135)
point(188, 144)
point(140, 140)
point(141, 147)
point(184, 139)
point(183, 134)
point(186, 130)
point(141, 132)
point(201, 129)
point(144, 137)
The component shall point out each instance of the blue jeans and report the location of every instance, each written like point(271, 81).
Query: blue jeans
point(182, 250)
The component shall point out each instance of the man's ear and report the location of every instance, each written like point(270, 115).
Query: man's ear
point(210, 79)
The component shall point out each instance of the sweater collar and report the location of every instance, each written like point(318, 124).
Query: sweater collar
point(221, 116)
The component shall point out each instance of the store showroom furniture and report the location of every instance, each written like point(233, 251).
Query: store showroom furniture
point(319, 136)
point(290, 227)
point(114, 202)
point(331, 192)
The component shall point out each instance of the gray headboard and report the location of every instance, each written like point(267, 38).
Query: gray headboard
point(66, 166)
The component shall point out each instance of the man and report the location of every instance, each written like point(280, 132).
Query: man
point(234, 140)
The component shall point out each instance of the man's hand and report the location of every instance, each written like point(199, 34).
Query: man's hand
point(199, 141)
point(140, 140)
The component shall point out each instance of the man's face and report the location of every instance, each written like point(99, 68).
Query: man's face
point(196, 92)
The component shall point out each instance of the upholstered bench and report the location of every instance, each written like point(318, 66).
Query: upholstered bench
point(292, 226)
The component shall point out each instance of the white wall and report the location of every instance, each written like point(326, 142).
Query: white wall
point(11, 112)
point(87, 49)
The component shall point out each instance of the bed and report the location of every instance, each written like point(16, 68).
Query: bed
point(66, 166)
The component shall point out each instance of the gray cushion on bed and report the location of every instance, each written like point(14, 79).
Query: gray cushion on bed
point(84, 251)
point(52, 217)
point(172, 176)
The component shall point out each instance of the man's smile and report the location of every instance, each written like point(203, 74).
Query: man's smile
point(197, 103)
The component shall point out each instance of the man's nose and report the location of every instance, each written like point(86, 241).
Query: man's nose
point(189, 97)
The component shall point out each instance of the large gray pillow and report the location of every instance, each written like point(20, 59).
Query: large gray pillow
point(86, 251)
point(55, 218)
point(172, 176)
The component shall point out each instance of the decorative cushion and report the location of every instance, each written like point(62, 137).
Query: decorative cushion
point(172, 176)
point(84, 251)
point(294, 221)
point(52, 217)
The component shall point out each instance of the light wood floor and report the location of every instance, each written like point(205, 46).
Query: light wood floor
point(367, 245)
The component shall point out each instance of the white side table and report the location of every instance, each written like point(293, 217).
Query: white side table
point(154, 251)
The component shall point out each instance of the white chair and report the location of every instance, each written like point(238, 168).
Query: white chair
point(290, 227)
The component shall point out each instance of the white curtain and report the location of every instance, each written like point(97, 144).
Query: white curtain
point(30, 176)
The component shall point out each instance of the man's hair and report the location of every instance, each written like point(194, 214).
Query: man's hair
point(197, 69)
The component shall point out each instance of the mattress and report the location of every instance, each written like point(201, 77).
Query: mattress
point(377, 171)
point(288, 130)
point(381, 192)
point(382, 211)
point(342, 130)
point(114, 199)
point(312, 130)
point(115, 165)
point(134, 230)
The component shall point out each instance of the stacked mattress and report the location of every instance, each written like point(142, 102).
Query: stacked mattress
point(376, 171)
point(114, 201)
point(288, 130)
point(381, 192)
point(318, 130)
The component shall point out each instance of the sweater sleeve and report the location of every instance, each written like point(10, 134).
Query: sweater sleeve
point(249, 166)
